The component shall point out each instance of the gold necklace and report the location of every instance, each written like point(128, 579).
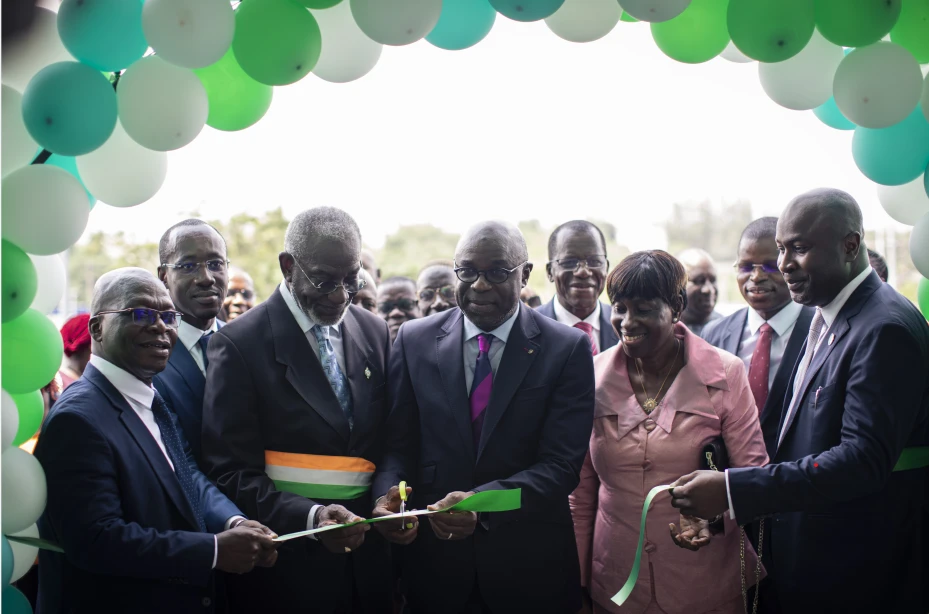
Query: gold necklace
point(652, 402)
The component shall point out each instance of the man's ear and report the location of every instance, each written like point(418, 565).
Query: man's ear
point(287, 266)
point(95, 326)
point(527, 269)
point(852, 245)
point(548, 272)
point(163, 275)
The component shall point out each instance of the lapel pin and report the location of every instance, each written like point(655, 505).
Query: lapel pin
point(831, 339)
point(367, 373)
point(529, 350)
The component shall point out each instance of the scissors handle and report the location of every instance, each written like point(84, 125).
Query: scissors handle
point(403, 491)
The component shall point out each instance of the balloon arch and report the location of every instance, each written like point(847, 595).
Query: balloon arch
point(96, 95)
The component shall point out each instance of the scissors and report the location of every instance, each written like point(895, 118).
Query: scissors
point(403, 507)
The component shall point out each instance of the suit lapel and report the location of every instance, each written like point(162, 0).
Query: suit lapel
point(146, 441)
point(608, 336)
point(449, 347)
point(732, 338)
point(304, 371)
point(772, 414)
point(182, 362)
point(357, 352)
point(519, 353)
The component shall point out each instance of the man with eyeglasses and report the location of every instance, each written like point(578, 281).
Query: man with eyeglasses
point(194, 269)
point(578, 265)
point(142, 528)
point(436, 288)
point(488, 396)
point(240, 295)
point(293, 418)
point(396, 302)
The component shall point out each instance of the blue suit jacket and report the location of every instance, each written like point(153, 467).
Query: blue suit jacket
point(845, 529)
point(608, 336)
point(535, 436)
point(726, 334)
point(181, 385)
point(116, 507)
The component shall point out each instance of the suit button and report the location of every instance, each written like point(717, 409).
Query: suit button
point(647, 465)
point(650, 425)
point(207, 602)
point(650, 547)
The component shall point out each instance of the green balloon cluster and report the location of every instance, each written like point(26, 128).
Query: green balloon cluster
point(32, 349)
point(236, 100)
point(697, 35)
point(856, 23)
point(771, 30)
point(19, 281)
point(276, 42)
point(912, 29)
point(922, 296)
point(31, 409)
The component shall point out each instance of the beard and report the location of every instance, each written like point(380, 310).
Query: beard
point(319, 320)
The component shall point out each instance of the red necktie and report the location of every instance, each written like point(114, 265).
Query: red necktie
point(587, 328)
point(761, 364)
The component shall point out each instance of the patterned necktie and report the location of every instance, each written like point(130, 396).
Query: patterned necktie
point(481, 387)
point(171, 437)
point(589, 330)
point(760, 366)
point(334, 372)
point(816, 327)
point(204, 342)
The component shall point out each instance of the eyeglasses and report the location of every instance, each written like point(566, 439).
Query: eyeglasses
point(148, 317)
point(328, 287)
point(469, 274)
point(192, 268)
point(403, 304)
point(768, 267)
point(594, 263)
point(429, 294)
point(246, 294)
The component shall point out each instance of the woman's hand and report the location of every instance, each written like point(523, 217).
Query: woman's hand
point(694, 533)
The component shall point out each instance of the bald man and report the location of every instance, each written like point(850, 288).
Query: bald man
point(485, 396)
point(702, 291)
point(844, 493)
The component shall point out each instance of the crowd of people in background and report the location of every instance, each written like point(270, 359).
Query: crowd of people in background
point(191, 424)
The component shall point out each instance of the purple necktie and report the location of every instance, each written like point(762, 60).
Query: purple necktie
point(481, 387)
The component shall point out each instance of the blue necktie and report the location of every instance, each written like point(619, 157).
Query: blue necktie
point(204, 342)
point(334, 372)
point(171, 437)
point(481, 387)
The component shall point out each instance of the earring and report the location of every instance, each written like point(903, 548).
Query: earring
point(674, 320)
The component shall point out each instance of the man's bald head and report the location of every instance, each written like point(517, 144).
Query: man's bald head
point(702, 289)
point(497, 233)
point(838, 209)
point(112, 288)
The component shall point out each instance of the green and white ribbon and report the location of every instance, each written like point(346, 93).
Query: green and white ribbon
point(623, 594)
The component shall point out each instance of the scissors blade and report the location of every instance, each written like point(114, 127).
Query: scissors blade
point(402, 512)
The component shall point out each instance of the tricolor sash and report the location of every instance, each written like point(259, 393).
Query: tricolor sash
point(319, 477)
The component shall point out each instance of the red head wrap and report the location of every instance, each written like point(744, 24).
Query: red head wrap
point(75, 334)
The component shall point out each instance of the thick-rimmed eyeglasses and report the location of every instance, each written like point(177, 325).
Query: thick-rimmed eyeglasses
point(403, 304)
point(148, 317)
point(769, 267)
point(328, 287)
point(429, 294)
point(192, 268)
point(469, 274)
point(594, 263)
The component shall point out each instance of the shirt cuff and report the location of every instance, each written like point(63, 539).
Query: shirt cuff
point(310, 525)
point(729, 498)
point(215, 551)
point(232, 520)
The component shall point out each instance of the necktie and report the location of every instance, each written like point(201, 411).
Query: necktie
point(587, 328)
point(204, 342)
point(481, 387)
point(171, 437)
point(812, 339)
point(334, 372)
point(760, 366)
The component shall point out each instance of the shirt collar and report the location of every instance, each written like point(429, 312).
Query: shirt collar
point(190, 335)
point(502, 332)
point(303, 320)
point(565, 316)
point(781, 323)
point(127, 384)
point(831, 311)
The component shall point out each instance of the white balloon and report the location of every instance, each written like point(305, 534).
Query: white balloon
point(905, 203)
point(878, 86)
point(396, 22)
point(9, 420)
point(23, 555)
point(44, 210)
point(347, 53)
point(919, 245)
point(122, 173)
point(32, 51)
point(19, 148)
point(23, 490)
point(189, 34)
point(732, 54)
point(50, 271)
point(804, 81)
point(654, 11)
point(583, 21)
point(161, 106)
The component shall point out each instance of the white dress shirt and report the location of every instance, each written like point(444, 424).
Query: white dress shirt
point(566, 317)
point(783, 326)
point(190, 337)
point(139, 396)
point(471, 347)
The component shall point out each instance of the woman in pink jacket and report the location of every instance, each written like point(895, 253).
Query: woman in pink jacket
point(662, 395)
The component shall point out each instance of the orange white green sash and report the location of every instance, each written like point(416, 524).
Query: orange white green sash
point(319, 477)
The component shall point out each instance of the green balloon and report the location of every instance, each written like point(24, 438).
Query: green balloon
point(922, 296)
point(318, 4)
point(236, 100)
point(855, 23)
point(14, 602)
point(276, 42)
point(628, 18)
point(32, 350)
point(770, 30)
point(697, 35)
point(912, 29)
point(19, 281)
point(31, 408)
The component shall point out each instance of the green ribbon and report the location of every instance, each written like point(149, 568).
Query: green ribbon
point(36, 542)
point(913, 458)
point(623, 594)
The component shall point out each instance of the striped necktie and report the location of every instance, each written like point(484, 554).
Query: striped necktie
point(589, 331)
point(481, 386)
point(174, 446)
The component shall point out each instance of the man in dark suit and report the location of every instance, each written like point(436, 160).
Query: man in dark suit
point(768, 334)
point(194, 269)
point(844, 492)
point(577, 265)
point(141, 527)
point(484, 397)
point(292, 415)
